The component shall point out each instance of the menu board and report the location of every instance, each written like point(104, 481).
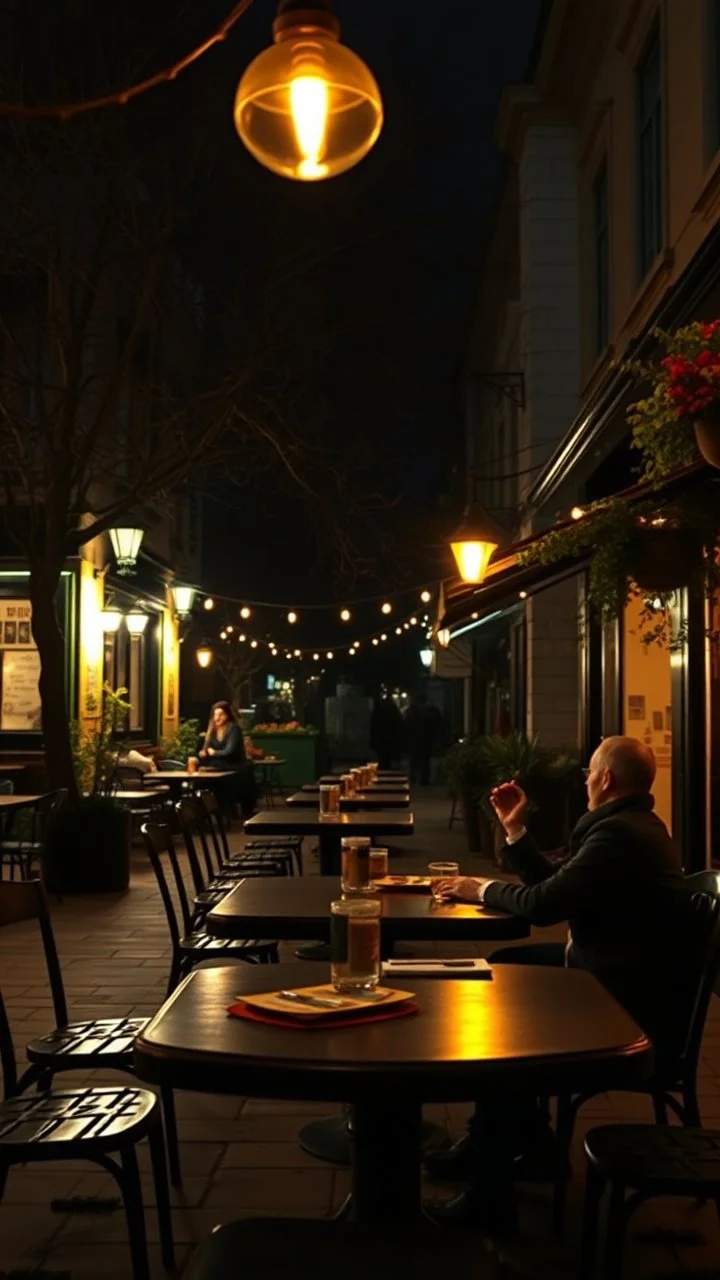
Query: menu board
point(20, 709)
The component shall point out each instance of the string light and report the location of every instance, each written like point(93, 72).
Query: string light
point(386, 607)
point(292, 617)
point(298, 653)
point(425, 596)
point(253, 644)
point(330, 655)
point(208, 603)
point(413, 621)
point(345, 615)
point(398, 631)
point(229, 628)
point(577, 513)
point(383, 636)
point(243, 638)
point(316, 657)
point(223, 635)
point(245, 612)
point(375, 640)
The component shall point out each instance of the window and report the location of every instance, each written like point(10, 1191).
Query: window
point(601, 235)
point(125, 668)
point(648, 91)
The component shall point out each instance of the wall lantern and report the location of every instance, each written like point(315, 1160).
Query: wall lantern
point(126, 543)
point(111, 619)
point(203, 655)
point(426, 657)
point(443, 637)
point(474, 543)
point(136, 622)
point(308, 108)
point(183, 598)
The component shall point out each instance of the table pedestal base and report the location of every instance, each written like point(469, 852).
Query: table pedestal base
point(386, 1142)
point(332, 1139)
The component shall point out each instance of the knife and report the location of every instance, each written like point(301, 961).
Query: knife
point(324, 1002)
point(436, 964)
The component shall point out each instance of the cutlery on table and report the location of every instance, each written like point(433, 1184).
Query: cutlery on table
point(324, 1002)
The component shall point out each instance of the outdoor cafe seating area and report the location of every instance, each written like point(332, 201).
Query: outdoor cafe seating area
point(189, 1088)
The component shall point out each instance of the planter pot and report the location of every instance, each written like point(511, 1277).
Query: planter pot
point(662, 558)
point(88, 850)
point(707, 438)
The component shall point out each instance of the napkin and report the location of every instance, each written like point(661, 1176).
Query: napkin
point(405, 1010)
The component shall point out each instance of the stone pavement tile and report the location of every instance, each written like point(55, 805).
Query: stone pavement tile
point(199, 1106)
point(282, 1107)
point(105, 1261)
point(267, 1155)
point(100, 1184)
point(272, 1128)
point(283, 1189)
point(27, 1232)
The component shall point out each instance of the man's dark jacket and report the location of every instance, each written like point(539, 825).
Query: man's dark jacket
point(623, 894)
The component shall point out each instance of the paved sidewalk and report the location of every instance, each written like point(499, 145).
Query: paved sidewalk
point(240, 1156)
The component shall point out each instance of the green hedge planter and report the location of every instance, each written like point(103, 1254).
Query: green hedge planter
point(300, 751)
point(88, 849)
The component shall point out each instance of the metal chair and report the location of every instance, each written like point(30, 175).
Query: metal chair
point(102, 1125)
point(648, 1161)
point(27, 846)
point(127, 777)
point(196, 828)
point(171, 766)
point(283, 850)
point(190, 945)
point(679, 1073)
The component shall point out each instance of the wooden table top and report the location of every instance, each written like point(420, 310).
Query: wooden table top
point(306, 822)
point(299, 907)
point(147, 794)
point(184, 775)
point(268, 760)
point(383, 800)
point(13, 768)
point(548, 1028)
point(17, 802)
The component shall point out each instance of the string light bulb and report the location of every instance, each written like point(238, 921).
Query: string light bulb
point(223, 635)
point(375, 640)
point(413, 622)
point(253, 644)
point(308, 108)
point(242, 638)
point(292, 617)
point(208, 603)
point(383, 636)
point(577, 513)
point(330, 655)
point(345, 615)
point(316, 657)
point(386, 607)
point(246, 612)
point(297, 653)
point(425, 596)
point(398, 631)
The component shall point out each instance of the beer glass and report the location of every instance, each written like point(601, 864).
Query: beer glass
point(441, 871)
point(355, 944)
point(378, 864)
point(329, 803)
point(355, 876)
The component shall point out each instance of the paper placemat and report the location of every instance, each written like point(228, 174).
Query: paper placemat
point(272, 1002)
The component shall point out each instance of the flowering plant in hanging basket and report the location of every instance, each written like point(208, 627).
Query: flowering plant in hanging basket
point(682, 412)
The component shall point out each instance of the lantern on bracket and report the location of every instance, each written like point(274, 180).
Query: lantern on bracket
point(183, 597)
point(126, 541)
point(474, 543)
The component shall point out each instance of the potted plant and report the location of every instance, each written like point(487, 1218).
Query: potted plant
point(469, 776)
point(682, 412)
point(182, 743)
point(551, 781)
point(88, 843)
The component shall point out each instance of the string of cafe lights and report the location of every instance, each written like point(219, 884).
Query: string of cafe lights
point(315, 652)
point(293, 612)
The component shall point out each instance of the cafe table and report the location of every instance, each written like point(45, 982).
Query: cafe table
point(363, 801)
point(179, 779)
point(296, 908)
point(307, 822)
point(546, 1030)
point(333, 779)
point(18, 802)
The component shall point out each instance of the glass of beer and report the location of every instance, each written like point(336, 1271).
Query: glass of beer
point(441, 871)
point(355, 944)
point(329, 803)
point(192, 764)
point(348, 784)
point(355, 877)
point(356, 775)
point(378, 864)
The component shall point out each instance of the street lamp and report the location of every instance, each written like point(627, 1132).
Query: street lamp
point(183, 597)
point(111, 619)
point(125, 543)
point(136, 622)
point(474, 543)
point(308, 108)
point(426, 657)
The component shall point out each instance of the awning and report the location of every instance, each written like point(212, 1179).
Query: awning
point(507, 580)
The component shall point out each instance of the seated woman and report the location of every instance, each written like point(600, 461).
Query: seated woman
point(224, 748)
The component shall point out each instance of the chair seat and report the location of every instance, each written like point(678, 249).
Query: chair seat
point(656, 1156)
point(38, 1126)
point(102, 1039)
point(204, 942)
point(275, 1248)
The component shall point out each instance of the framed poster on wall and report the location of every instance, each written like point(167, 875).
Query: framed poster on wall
point(20, 706)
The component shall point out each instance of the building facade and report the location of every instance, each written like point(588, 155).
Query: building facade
point(608, 228)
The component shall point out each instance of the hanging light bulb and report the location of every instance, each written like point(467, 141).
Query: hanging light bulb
point(242, 638)
point(298, 653)
point(383, 637)
point(330, 655)
point(375, 640)
point(203, 655)
point(316, 657)
point(425, 596)
point(473, 544)
point(413, 622)
point(253, 644)
point(229, 628)
point(245, 612)
point(386, 607)
point(577, 513)
point(398, 631)
point(223, 635)
point(292, 617)
point(345, 615)
point(208, 603)
point(308, 108)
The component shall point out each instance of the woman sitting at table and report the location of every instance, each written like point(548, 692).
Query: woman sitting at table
point(224, 748)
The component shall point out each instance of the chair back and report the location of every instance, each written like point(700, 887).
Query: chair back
point(194, 828)
point(46, 807)
point(704, 944)
point(704, 882)
point(171, 766)
point(160, 845)
point(126, 777)
point(6, 787)
point(216, 827)
point(27, 900)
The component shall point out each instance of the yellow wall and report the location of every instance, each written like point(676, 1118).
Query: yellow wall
point(90, 672)
point(170, 705)
point(647, 700)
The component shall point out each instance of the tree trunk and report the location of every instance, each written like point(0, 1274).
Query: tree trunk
point(50, 641)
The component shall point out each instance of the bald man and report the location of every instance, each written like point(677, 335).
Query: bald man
point(621, 890)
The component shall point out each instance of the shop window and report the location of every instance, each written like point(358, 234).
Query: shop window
point(601, 233)
point(647, 702)
point(125, 668)
point(648, 118)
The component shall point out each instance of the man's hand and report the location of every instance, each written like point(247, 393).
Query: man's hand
point(462, 888)
point(510, 804)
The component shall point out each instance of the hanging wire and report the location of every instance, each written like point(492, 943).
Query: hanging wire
point(66, 111)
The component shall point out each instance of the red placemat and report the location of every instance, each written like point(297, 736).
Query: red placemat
point(240, 1010)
